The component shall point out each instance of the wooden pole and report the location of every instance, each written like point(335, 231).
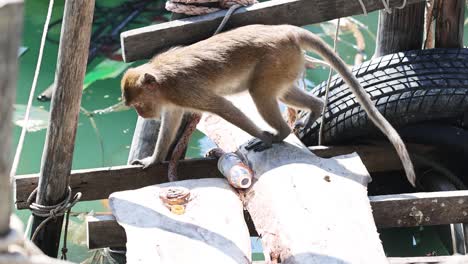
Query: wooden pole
point(449, 23)
point(401, 30)
point(11, 17)
point(144, 139)
point(58, 151)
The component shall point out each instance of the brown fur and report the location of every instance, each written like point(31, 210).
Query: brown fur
point(265, 60)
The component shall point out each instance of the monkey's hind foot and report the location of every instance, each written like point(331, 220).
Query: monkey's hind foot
point(257, 145)
point(146, 162)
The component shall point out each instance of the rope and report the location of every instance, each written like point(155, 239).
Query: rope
point(386, 4)
point(51, 212)
point(193, 7)
point(324, 109)
point(19, 148)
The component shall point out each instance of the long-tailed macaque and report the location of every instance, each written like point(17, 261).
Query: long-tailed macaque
point(264, 60)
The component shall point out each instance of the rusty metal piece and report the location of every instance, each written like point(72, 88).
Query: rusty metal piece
point(175, 195)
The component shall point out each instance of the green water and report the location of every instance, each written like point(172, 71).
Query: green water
point(117, 128)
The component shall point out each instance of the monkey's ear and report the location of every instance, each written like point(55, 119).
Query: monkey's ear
point(149, 78)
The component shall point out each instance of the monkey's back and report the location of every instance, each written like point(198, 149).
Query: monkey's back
point(228, 60)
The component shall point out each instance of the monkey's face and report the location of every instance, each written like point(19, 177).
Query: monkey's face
point(139, 91)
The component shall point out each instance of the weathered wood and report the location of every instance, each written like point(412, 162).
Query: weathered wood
point(387, 211)
point(401, 30)
point(99, 183)
point(297, 199)
point(449, 23)
point(11, 20)
point(104, 231)
point(212, 227)
point(144, 139)
point(433, 260)
point(65, 107)
point(420, 209)
point(376, 158)
point(144, 42)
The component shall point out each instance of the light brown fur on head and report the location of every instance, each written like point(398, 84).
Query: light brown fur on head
point(264, 60)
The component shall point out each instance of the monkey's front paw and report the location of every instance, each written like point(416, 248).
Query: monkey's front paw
point(259, 145)
point(146, 162)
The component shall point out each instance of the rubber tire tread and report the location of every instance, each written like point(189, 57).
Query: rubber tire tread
point(406, 87)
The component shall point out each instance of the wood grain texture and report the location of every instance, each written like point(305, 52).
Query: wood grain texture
point(144, 42)
point(297, 199)
point(144, 139)
point(104, 231)
point(402, 210)
point(99, 183)
point(449, 23)
point(65, 107)
point(376, 158)
point(11, 20)
point(401, 30)
point(420, 209)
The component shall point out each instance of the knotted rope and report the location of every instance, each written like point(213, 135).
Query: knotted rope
point(195, 7)
point(51, 212)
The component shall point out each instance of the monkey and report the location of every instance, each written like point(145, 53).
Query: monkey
point(264, 60)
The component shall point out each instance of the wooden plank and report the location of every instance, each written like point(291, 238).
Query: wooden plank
point(100, 183)
point(11, 20)
point(65, 108)
point(433, 260)
point(419, 209)
point(144, 42)
point(376, 158)
point(450, 20)
point(200, 233)
point(394, 34)
point(297, 199)
point(387, 211)
point(144, 139)
point(98, 235)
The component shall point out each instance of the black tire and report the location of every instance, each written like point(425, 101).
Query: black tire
point(407, 88)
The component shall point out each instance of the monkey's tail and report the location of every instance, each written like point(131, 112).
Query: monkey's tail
point(311, 42)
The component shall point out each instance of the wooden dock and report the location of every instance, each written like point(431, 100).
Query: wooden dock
point(309, 205)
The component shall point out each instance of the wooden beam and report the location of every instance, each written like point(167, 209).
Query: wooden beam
point(65, 108)
point(376, 158)
point(144, 42)
point(99, 183)
point(402, 210)
point(449, 23)
point(420, 209)
point(11, 20)
point(394, 34)
point(430, 260)
point(98, 235)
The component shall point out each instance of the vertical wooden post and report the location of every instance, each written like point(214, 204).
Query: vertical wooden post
point(401, 30)
point(449, 23)
point(58, 151)
point(144, 139)
point(11, 17)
